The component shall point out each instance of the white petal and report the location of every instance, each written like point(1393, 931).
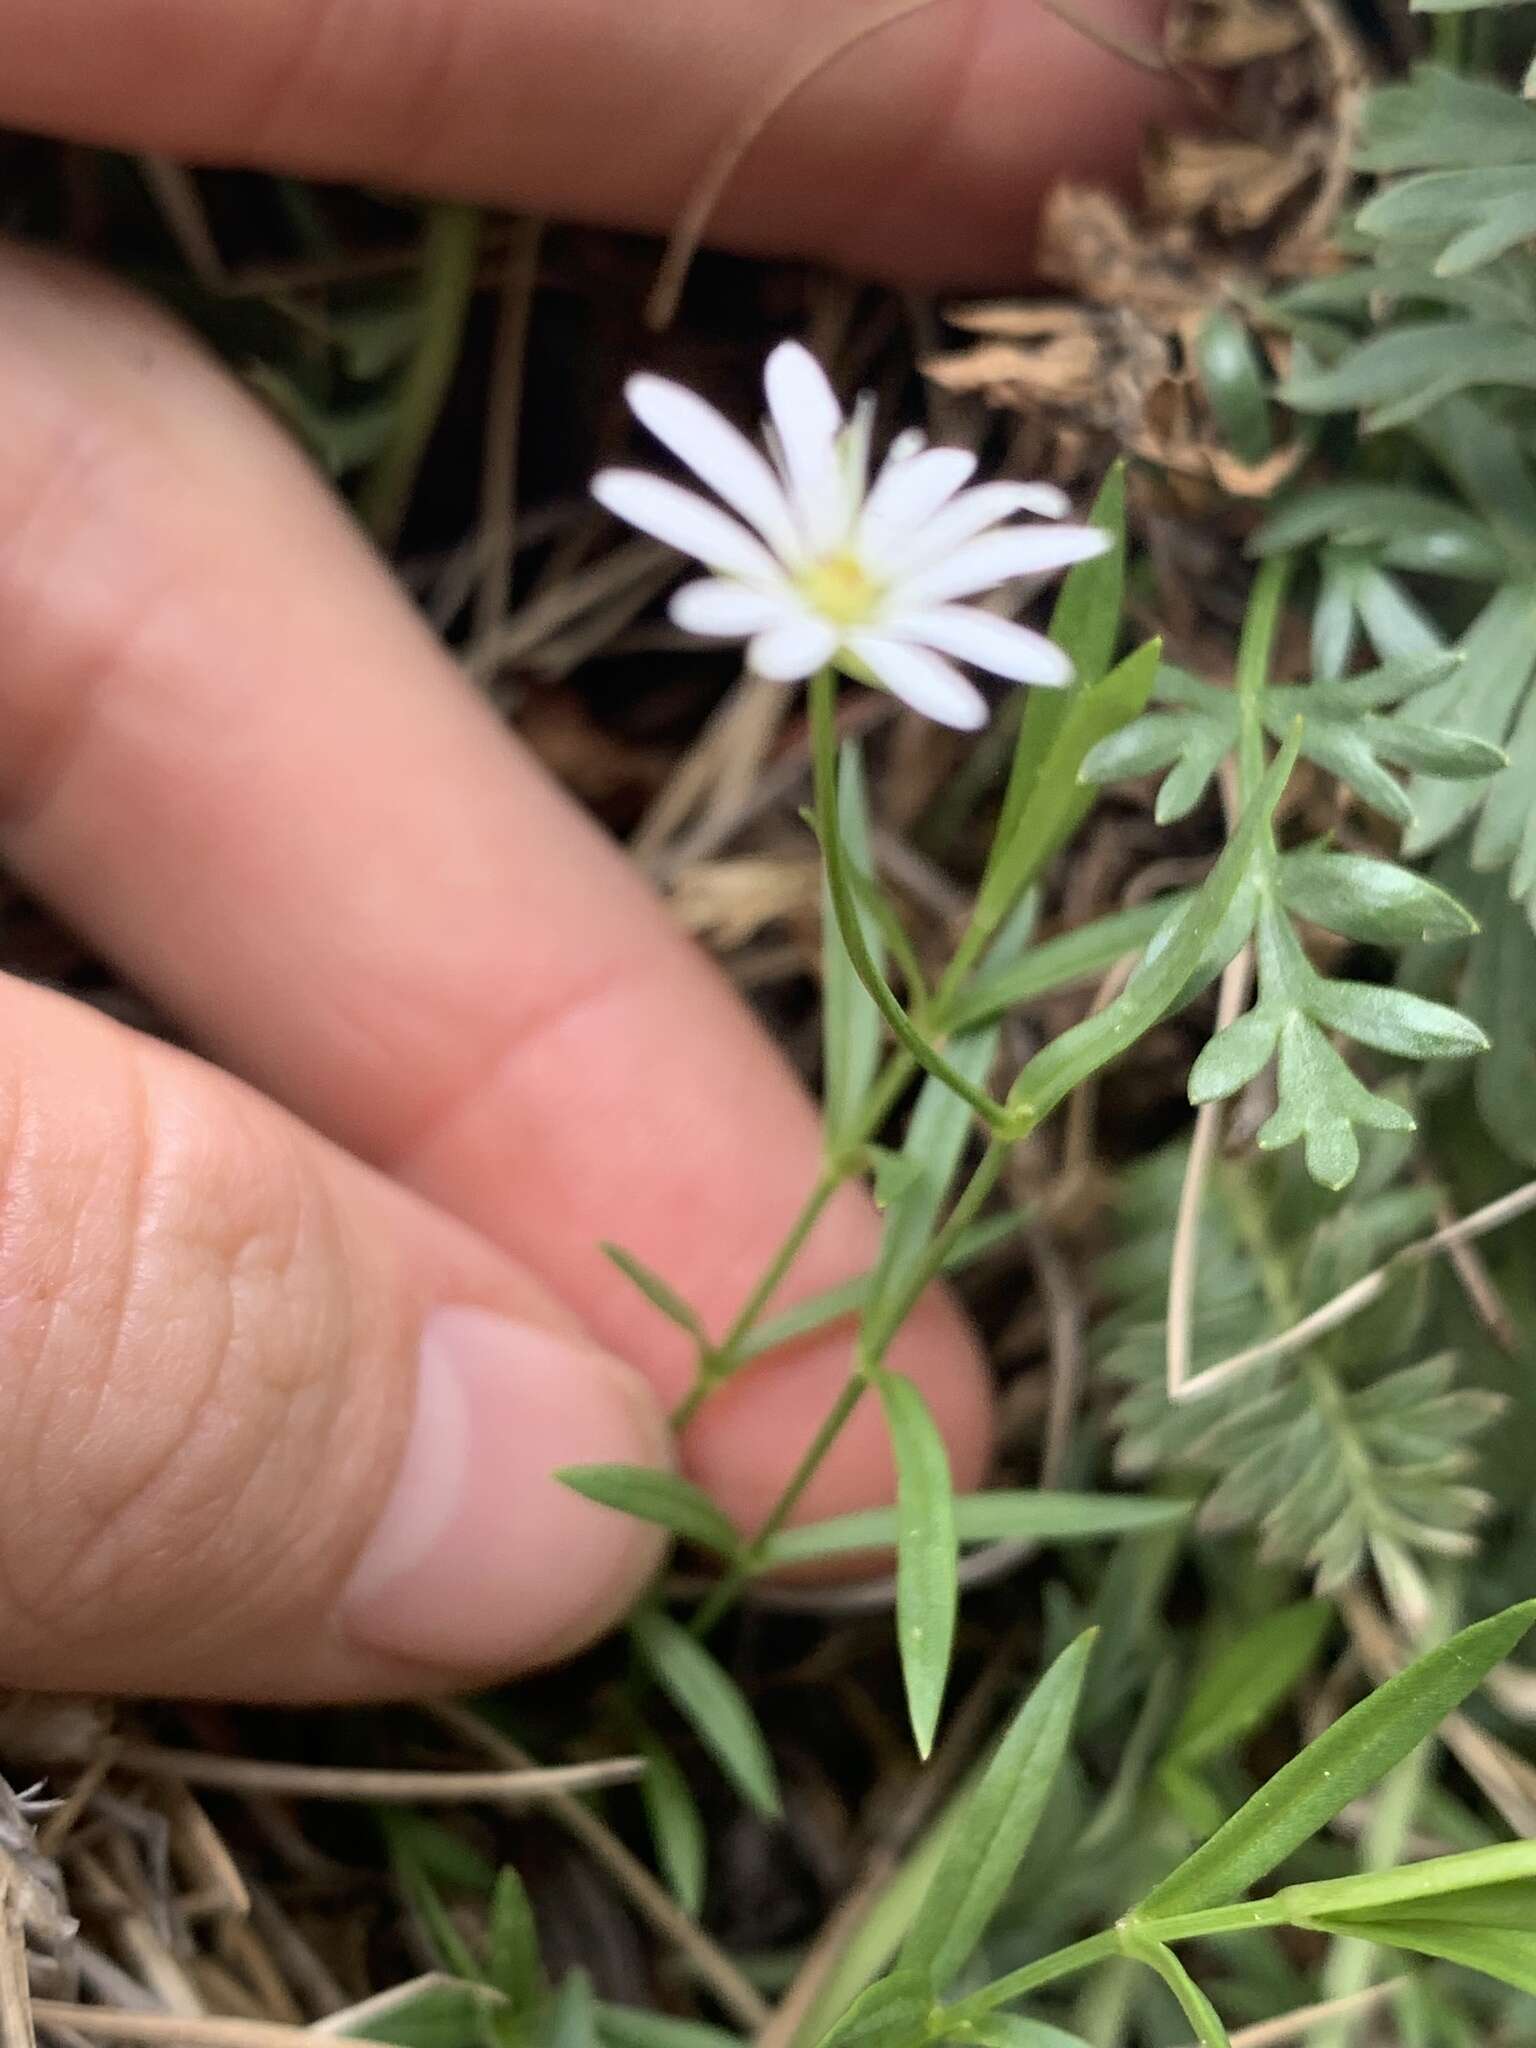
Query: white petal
point(807, 421)
point(997, 645)
point(968, 515)
point(790, 652)
point(909, 442)
point(686, 522)
point(909, 493)
point(725, 610)
point(999, 558)
point(857, 440)
point(800, 397)
point(963, 519)
point(925, 681)
point(717, 453)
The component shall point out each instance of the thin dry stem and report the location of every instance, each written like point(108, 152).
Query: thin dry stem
point(174, 189)
point(804, 66)
point(516, 1787)
point(1064, 1321)
point(1351, 1300)
point(710, 1963)
point(956, 1748)
point(503, 421)
point(635, 571)
point(1290, 2026)
point(181, 2030)
point(1077, 1145)
point(1184, 1263)
point(1477, 1283)
point(15, 2001)
point(56, 1829)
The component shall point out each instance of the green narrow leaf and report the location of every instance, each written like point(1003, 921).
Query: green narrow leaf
point(1392, 1020)
point(571, 2021)
point(1063, 961)
point(1230, 1060)
point(1003, 1516)
point(621, 2026)
point(1085, 625)
point(997, 1823)
point(677, 1827)
point(833, 1303)
point(1011, 2030)
point(513, 1964)
point(1478, 1885)
point(1246, 1682)
point(1383, 517)
point(712, 1703)
point(927, 1550)
point(1167, 969)
point(1060, 798)
point(851, 1026)
point(1441, 118)
point(1344, 1763)
point(891, 2014)
point(453, 1953)
point(1500, 648)
point(935, 1138)
point(843, 889)
point(433, 2011)
point(1234, 384)
point(441, 1854)
point(893, 1174)
point(656, 1291)
point(664, 1498)
point(1508, 1953)
point(1362, 898)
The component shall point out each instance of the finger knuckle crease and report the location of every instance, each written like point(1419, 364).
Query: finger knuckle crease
point(182, 1377)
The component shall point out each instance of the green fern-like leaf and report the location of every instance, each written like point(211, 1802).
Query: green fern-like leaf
point(1331, 1457)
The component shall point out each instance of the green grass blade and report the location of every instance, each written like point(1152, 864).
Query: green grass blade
point(671, 1502)
point(998, 1823)
point(1003, 1516)
point(927, 1551)
point(1343, 1764)
point(713, 1705)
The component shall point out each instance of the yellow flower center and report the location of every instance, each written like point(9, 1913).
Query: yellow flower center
point(841, 589)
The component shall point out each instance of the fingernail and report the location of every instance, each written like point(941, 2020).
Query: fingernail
point(482, 1561)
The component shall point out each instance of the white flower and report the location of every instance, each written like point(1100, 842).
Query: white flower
point(822, 566)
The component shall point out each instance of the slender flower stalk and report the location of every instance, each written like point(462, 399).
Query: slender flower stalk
point(815, 564)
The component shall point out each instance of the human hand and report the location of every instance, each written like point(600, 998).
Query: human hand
point(285, 1386)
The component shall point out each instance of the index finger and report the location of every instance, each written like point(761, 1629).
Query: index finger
point(237, 760)
point(918, 155)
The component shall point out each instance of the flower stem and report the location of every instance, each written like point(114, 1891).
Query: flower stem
point(833, 1423)
point(717, 1365)
point(845, 908)
point(885, 1321)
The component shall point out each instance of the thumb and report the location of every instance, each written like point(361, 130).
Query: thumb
point(275, 1427)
